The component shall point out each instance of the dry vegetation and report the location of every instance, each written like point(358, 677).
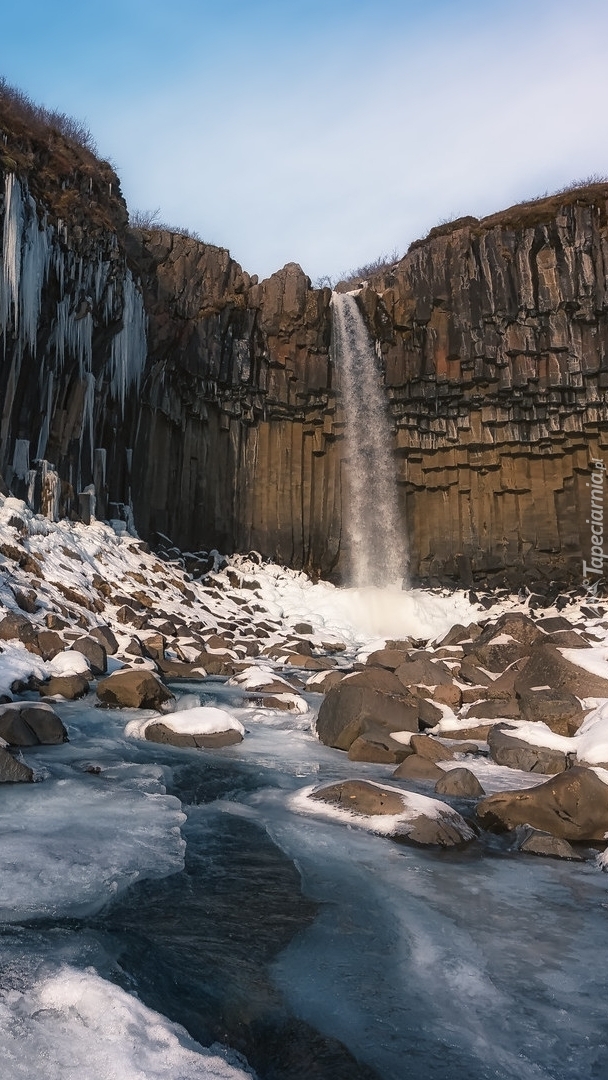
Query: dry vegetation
point(148, 221)
point(56, 155)
point(17, 105)
point(359, 273)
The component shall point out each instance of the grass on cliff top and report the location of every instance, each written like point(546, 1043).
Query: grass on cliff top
point(57, 156)
point(531, 212)
point(17, 106)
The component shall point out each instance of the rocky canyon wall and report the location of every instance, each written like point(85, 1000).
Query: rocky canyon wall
point(219, 416)
point(493, 339)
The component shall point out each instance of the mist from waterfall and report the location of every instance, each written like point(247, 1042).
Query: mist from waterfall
point(375, 535)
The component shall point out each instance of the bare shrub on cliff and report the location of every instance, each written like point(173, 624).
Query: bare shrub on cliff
point(148, 221)
point(361, 273)
point(18, 105)
point(144, 219)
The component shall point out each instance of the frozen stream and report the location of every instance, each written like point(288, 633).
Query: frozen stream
point(316, 950)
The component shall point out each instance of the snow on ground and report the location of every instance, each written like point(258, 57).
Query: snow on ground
point(592, 736)
point(359, 615)
point(75, 1023)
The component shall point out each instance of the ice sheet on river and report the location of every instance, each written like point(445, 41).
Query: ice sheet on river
point(74, 1023)
point(68, 845)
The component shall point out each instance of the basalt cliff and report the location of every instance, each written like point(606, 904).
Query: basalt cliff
point(144, 374)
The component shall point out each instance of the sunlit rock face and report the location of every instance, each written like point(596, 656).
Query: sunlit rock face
point(146, 372)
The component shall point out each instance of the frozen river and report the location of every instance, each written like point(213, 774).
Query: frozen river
point(157, 900)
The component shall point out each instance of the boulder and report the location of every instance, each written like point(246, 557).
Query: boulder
point(174, 669)
point(503, 687)
point(49, 644)
point(507, 749)
point(16, 626)
point(154, 646)
point(376, 745)
point(479, 731)
point(472, 673)
point(354, 706)
point(213, 663)
point(425, 822)
point(387, 658)
point(422, 671)
point(494, 709)
point(496, 654)
point(512, 624)
point(94, 652)
point(361, 797)
point(320, 684)
point(572, 805)
point(418, 768)
point(560, 711)
point(133, 690)
point(428, 714)
point(454, 636)
point(160, 733)
point(310, 663)
point(540, 843)
point(460, 783)
point(448, 694)
point(25, 723)
point(567, 639)
point(13, 771)
point(105, 637)
point(547, 667)
point(425, 746)
point(70, 687)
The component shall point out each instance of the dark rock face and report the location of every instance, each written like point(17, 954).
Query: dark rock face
point(227, 430)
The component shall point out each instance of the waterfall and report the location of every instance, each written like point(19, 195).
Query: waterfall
point(375, 535)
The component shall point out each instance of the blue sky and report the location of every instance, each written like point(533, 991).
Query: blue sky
point(323, 133)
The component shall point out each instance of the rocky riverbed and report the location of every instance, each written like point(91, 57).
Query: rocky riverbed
point(369, 741)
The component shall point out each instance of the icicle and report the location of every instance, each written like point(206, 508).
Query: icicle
point(46, 423)
point(90, 491)
point(11, 252)
point(51, 491)
point(34, 270)
point(21, 459)
point(88, 411)
point(73, 332)
point(129, 347)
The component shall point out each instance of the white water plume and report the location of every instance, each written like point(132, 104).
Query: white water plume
point(375, 535)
